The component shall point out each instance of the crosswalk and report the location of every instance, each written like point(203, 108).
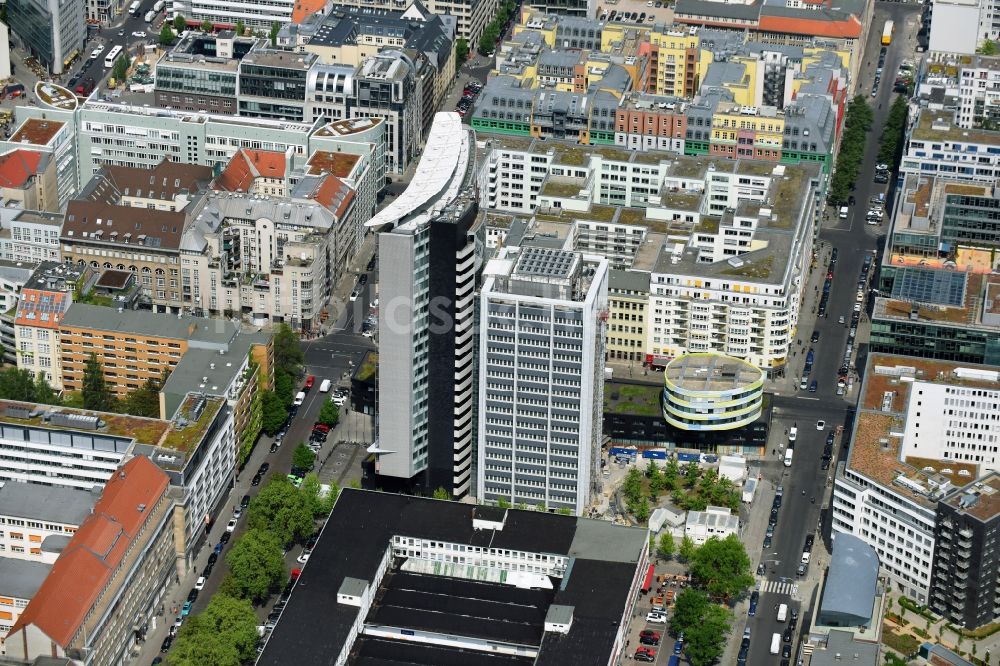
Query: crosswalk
point(780, 587)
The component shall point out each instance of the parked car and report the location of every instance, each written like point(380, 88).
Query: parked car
point(255, 481)
point(200, 583)
point(231, 525)
point(245, 502)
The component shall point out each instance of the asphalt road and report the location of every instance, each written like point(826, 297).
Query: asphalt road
point(117, 35)
point(854, 240)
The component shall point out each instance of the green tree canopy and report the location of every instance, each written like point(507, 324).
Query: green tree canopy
point(689, 607)
point(196, 645)
point(705, 641)
point(666, 546)
point(256, 563)
point(281, 509)
point(303, 457)
point(687, 549)
point(166, 34)
point(274, 413)
point(120, 71)
point(44, 393)
point(179, 23)
point(988, 48)
point(17, 384)
point(461, 51)
point(321, 505)
point(288, 354)
point(329, 413)
point(441, 494)
point(145, 400)
point(722, 567)
point(96, 393)
point(240, 28)
point(206, 26)
point(275, 28)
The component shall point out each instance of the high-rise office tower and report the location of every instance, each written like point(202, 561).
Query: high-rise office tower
point(427, 287)
point(541, 387)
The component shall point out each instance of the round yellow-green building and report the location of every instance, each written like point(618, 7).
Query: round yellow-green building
point(709, 392)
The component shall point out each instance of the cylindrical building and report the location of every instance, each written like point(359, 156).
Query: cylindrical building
point(711, 392)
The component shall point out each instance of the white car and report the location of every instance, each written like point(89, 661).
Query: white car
point(354, 295)
point(99, 48)
point(303, 558)
point(231, 526)
point(339, 400)
point(857, 307)
point(820, 425)
point(139, 34)
point(659, 618)
point(200, 583)
point(793, 433)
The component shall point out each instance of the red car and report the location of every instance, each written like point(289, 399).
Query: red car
point(310, 380)
point(321, 427)
point(649, 633)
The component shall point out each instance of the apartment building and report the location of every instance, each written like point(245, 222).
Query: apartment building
point(426, 330)
point(541, 389)
point(979, 93)
point(29, 236)
point(270, 258)
point(20, 581)
point(44, 300)
point(272, 83)
point(222, 14)
point(258, 172)
point(732, 287)
point(354, 151)
point(38, 520)
point(901, 465)
point(28, 180)
point(13, 276)
point(965, 571)
point(120, 559)
point(628, 309)
point(51, 31)
point(350, 35)
point(47, 142)
point(937, 145)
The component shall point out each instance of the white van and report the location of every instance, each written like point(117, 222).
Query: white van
point(788, 457)
point(325, 386)
point(793, 433)
point(843, 212)
point(782, 613)
point(300, 397)
point(775, 643)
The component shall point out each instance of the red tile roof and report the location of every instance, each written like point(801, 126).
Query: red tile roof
point(41, 308)
point(94, 553)
point(335, 195)
point(249, 165)
point(850, 28)
point(303, 9)
point(17, 166)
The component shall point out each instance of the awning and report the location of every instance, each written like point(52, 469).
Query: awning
point(648, 583)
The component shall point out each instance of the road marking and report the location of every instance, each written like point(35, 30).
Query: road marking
point(780, 587)
point(802, 397)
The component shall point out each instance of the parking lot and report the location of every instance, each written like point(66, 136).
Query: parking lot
point(643, 12)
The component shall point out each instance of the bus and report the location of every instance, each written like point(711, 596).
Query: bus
point(109, 60)
point(887, 33)
point(133, 9)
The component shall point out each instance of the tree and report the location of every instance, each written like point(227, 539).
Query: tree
point(288, 354)
point(284, 387)
point(145, 400)
point(225, 633)
point(722, 567)
point(43, 392)
point(656, 480)
point(503, 503)
point(274, 413)
point(564, 511)
point(303, 456)
point(632, 485)
point(206, 26)
point(17, 384)
point(256, 563)
point(705, 641)
point(273, 36)
point(120, 70)
point(321, 505)
point(670, 474)
point(441, 494)
point(166, 34)
point(179, 23)
point(196, 645)
point(665, 547)
point(281, 509)
point(689, 607)
point(687, 549)
point(240, 28)
point(641, 509)
point(96, 394)
point(691, 474)
point(329, 413)
point(461, 51)
point(988, 48)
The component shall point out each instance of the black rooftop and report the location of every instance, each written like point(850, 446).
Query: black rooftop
point(314, 627)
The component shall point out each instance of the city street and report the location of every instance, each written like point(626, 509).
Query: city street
point(805, 479)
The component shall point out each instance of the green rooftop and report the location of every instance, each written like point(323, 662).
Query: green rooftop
point(142, 430)
point(760, 269)
point(633, 399)
point(369, 365)
point(185, 439)
point(557, 187)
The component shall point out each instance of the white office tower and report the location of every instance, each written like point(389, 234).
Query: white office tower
point(541, 388)
point(431, 259)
